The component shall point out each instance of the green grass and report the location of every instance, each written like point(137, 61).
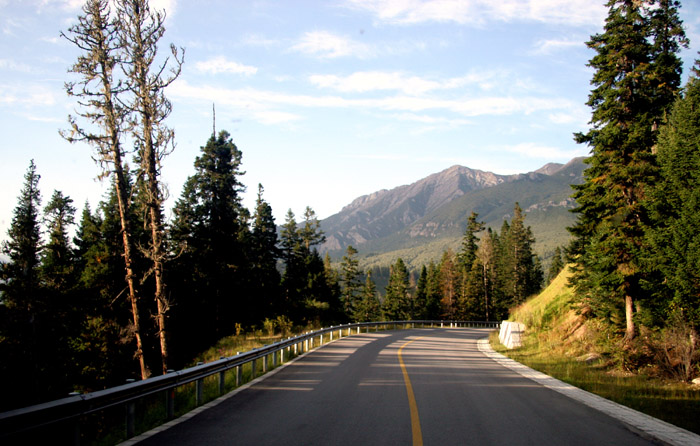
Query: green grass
point(557, 342)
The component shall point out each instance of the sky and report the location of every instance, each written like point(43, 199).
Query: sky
point(327, 100)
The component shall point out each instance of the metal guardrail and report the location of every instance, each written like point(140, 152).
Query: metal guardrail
point(69, 410)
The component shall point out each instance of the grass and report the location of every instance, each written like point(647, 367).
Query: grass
point(563, 344)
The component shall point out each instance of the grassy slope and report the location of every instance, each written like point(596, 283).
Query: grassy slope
point(565, 345)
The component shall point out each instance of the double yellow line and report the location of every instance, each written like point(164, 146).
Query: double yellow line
point(415, 421)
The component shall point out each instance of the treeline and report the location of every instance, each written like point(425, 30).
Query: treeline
point(635, 243)
point(480, 282)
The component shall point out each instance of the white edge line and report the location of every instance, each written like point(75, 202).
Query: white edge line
point(658, 429)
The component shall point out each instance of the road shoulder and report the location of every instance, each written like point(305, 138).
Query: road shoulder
point(642, 423)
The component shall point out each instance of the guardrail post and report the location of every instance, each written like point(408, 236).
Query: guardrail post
point(76, 425)
point(306, 344)
point(321, 339)
point(331, 334)
point(239, 373)
point(130, 416)
point(222, 380)
point(199, 386)
point(264, 361)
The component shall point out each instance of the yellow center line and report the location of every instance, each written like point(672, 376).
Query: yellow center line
point(415, 421)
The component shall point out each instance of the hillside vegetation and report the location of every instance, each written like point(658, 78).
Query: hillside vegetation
point(564, 342)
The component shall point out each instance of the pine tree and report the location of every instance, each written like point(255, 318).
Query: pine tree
point(472, 301)
point(57, 263)
point(22, 300)
point(449, 285)
point(522, 275)
point(368, 308)
point(213, 268)
point(351, 281)
point(486, 256)
point(675, 238)
point(263, 259)
point(557, 264)
point(470, 242)
point(627, 103)
point(397, 302)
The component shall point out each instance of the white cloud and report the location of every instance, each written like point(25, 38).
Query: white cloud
point(222, 65)
point(365, 81)
point(551, 45)
point(368, 81)
point(6, 64)
point(327, 45)
point(272, 117)
point(533, 150)
point(254, 100)
point(31, 96)
point(478, 12)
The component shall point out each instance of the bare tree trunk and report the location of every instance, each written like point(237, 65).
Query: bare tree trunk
point(141, 30)
point(95, 34)
point(629, 314)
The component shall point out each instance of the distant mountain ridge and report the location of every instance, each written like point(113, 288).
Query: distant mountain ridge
point(381, 213)
point(428, 215)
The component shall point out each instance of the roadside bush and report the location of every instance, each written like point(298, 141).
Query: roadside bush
point(678, 349)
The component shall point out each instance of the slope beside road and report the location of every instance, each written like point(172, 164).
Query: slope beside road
point(423, 386)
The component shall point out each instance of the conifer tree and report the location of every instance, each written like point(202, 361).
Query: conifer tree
point(449, 285)
point(263, 259)
point(631, 85)
point(21, 295)
point(57, 263)
point(470, 242)
point(676, 235)
point(397, 302)
point(368, 308)
point(351, 281)
point(211, 269)
point(557, 264)
point(471, 305)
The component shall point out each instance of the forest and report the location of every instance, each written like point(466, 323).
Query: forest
point(118, 292)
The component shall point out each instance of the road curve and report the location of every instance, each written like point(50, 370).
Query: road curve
point(355, 391)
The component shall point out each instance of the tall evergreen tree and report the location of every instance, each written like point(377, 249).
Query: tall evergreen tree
point(211, 268)
point(449, 285)
point(368, 308)
point(676, 234)
point(557, 264)
point(397, 301)
point(58, 263)
point(523, 274)
point(470, 242)
point(627, 101)
point(21, 298)
point(263, 259)
point(351, 281)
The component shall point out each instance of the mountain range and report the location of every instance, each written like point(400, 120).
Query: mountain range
point(419, 221)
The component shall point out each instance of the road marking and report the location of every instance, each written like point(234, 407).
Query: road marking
point(415, 421)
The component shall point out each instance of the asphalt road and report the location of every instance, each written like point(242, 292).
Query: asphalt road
point(361, 390)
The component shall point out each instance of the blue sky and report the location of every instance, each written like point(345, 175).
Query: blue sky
point(327, 100)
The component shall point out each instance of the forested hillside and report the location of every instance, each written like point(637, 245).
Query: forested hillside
point(441, 209)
